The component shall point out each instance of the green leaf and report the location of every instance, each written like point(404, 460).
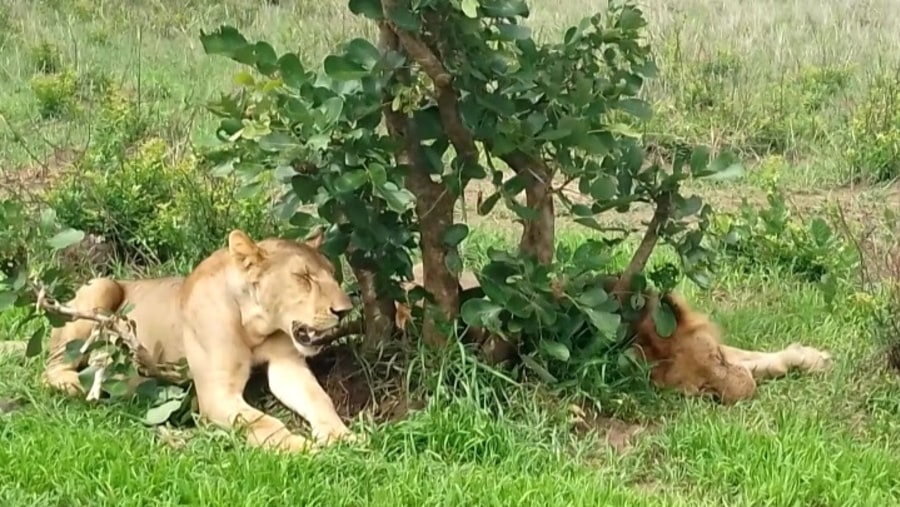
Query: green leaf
point(631, 18)
point(505, 9)
point(690, 206)
point(555, 350)
point(724, 167)
point(341, 68)
point(363, 52)
point(604, 187)
point(349, 181)
point(367, 8)
point(699, 159)
point(488, 204)
point(34, 343)
point(664, 320)
point(115, 388)
point(593, 297)
point(226, 41)
point(469, 8)
point(606, 323)
point(453, 262)
point(292, 72)
point(404, 18)
point(377, 173)
point(303, 221)
point(636, 107)
point(8, 299)
point(73, 350)
point(332, 108)
point(701, 278)
point(65, 238)
point(480, 313)
point(595, 144)
point(266, 58)
point(455, 234)
point(86, 377)
point(305, 187)
point(160, 414)
point(277, 141)
point(730, 172)
point(398, 199)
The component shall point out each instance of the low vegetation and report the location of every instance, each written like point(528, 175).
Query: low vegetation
point(128, 149)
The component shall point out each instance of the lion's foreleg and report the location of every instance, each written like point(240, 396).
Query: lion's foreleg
point(219, 380)
point(292, 382)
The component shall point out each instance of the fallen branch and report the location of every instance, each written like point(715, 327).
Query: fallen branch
point(117, 330)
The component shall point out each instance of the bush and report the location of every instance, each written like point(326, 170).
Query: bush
point(772, 239)
point(873, 143)
point(154, 209)
point(147, 204)
point(56, 93)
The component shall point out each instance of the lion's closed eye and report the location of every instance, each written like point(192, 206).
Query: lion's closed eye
point(304, 278)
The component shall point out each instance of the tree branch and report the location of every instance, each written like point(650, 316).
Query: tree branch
point(122, 330)
point(645, 248)
point(448, 104)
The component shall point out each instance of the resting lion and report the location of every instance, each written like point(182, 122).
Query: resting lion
point(693, 359)
point(245, 305)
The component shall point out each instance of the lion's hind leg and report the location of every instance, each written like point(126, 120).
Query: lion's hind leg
point(770, 365)
point(59, 373)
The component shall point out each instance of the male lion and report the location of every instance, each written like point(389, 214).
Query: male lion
point(693, 359)
point(245, 305)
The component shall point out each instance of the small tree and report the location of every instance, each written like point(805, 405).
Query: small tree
point(384, 140)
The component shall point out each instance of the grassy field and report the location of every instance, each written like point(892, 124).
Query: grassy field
point(802, 91)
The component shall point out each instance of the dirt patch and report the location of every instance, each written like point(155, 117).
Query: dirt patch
point(617, 434)
point(27, 181)
point(376, 389)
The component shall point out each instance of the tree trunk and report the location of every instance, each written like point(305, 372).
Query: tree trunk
point(378, 312)
point(538, 234)
point(434, 207)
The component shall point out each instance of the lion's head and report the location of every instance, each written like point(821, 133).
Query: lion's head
point(292, 286)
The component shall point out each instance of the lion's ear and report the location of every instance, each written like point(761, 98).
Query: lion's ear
point(243, 249)
point(316, 239)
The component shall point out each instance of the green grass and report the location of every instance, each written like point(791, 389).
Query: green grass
point(804, 440)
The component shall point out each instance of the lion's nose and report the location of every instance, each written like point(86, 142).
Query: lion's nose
point(340, 313)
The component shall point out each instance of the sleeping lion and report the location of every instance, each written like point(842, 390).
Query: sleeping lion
point(693, 359)
point(251, 303)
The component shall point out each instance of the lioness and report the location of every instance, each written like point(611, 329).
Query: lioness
point(693, 359)
point(244, 305)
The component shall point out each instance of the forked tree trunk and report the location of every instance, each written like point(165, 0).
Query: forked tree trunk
point(538, 235)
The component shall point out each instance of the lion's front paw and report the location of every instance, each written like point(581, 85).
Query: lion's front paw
point(340, 434)
point(810, 358)
point(296, 444)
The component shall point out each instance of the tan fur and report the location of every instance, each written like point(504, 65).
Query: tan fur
point(239, 308)
point(694, 360)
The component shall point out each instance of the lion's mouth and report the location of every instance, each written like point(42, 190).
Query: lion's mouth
point(309, 337)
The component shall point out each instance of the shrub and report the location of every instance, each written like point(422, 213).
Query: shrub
point(56, 93)
point(773, 239)
point(872, 149)
point(154, 209)
point(147, 204)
